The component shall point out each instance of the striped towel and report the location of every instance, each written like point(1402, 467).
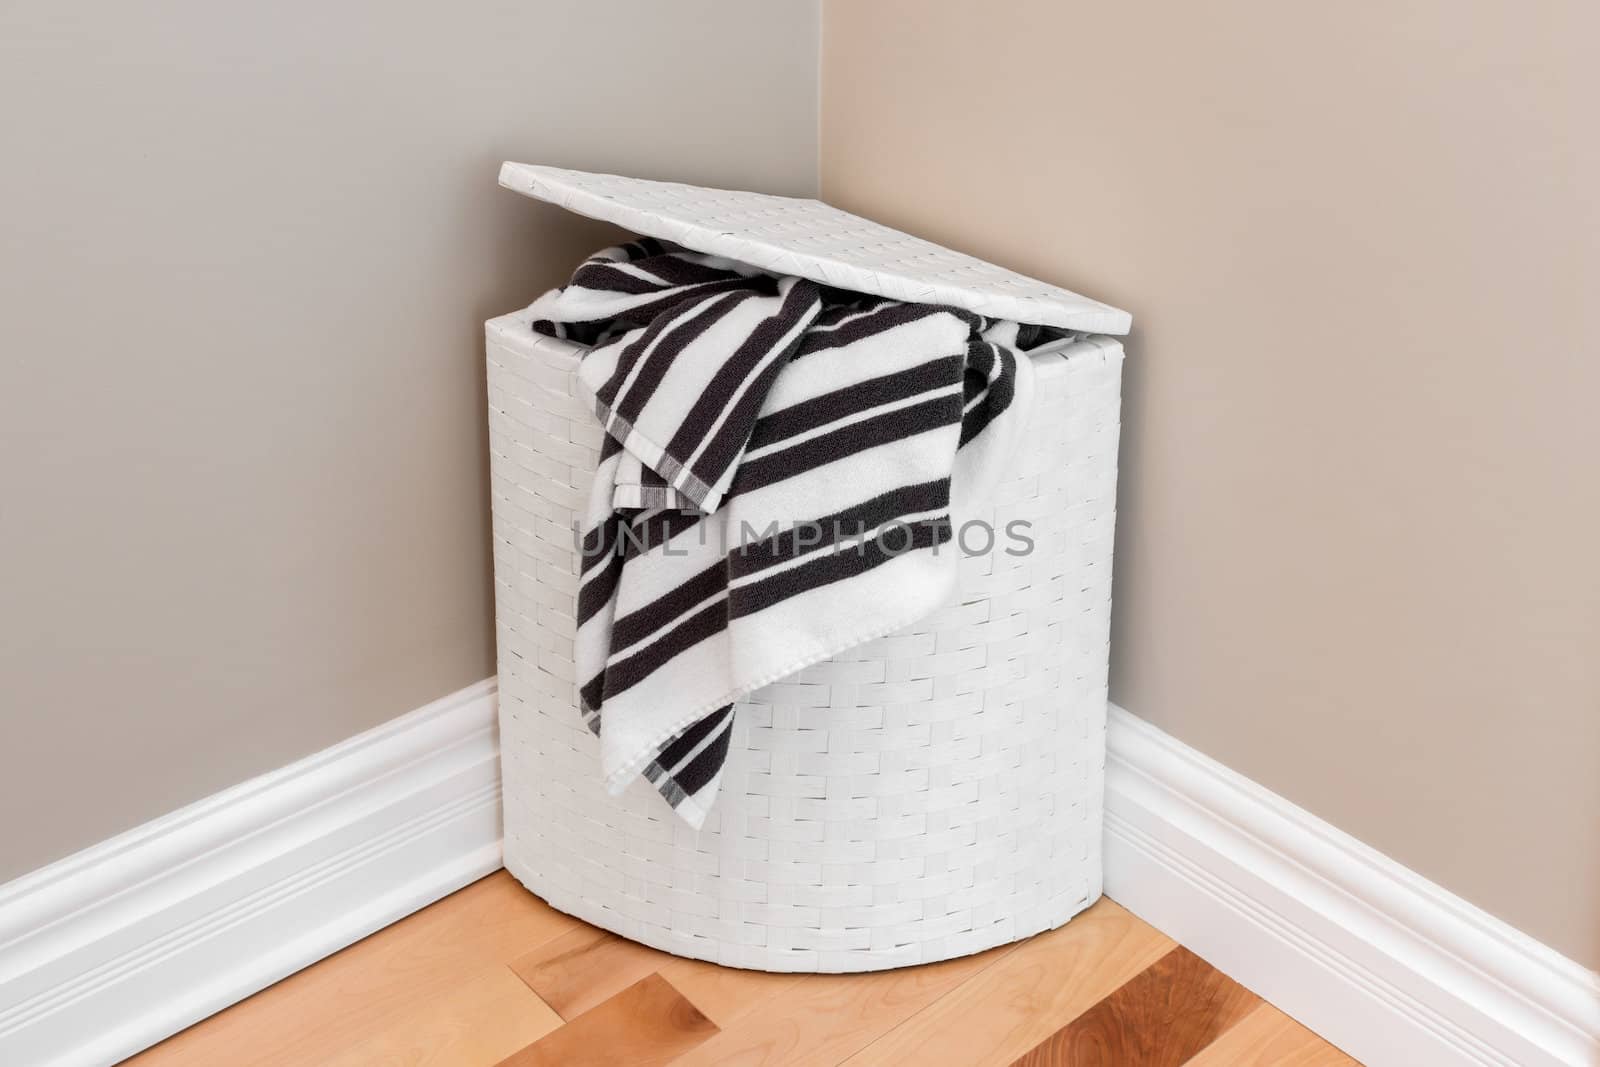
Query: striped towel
point(777, 484)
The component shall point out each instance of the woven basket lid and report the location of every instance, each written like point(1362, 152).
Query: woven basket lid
point(808, 238)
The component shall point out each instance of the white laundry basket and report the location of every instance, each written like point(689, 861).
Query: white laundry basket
point(927, 795)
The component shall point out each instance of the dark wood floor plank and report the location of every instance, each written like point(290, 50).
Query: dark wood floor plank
point(1160, 1018)
point(648, 1024)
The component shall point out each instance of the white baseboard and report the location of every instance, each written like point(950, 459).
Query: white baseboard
point(1376, 959)
point(111, 950)
point(119, 946)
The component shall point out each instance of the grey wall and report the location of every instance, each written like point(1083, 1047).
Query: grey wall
point(246, 251)
point(1360, 499)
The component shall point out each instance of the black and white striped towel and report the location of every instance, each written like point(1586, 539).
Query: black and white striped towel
point(781, 465)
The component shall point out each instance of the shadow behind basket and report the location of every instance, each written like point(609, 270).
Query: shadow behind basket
point(927, 795)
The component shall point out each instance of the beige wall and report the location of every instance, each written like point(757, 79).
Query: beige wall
point(246, 251)
point(1359, 553)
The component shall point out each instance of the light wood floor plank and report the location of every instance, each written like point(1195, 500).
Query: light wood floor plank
point(359, 992)
point(726, 994)
point(1269, 1038)
point(825, 1018)
point(1160, 1017)
point(585, 967)
point(1007, 1009)
point(480, 1023)
point(646, 1025)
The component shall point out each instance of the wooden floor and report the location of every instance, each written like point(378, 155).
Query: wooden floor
point(491, 975)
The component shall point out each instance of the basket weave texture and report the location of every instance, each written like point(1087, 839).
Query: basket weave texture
point(927, 795)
